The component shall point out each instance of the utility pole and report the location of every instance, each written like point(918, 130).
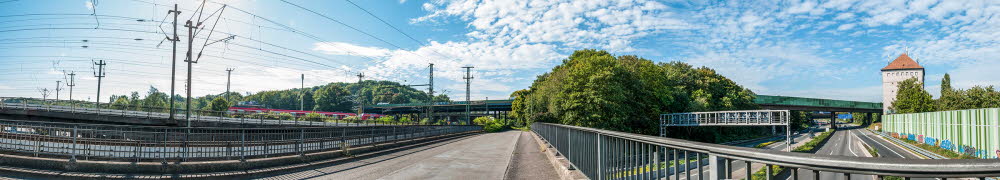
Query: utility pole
point(173, 62)
point(430, 88)
point(70, 83)
point(45, 93)
point(229, 72)
point(189, 60)
point(100, 75)
point(430, 91)
point(468, 78)
point(58, 84)
point(302, 94)
point(361, 99)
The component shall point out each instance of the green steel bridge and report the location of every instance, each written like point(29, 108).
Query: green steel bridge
point(765, 101)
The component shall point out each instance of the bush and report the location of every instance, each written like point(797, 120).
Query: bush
point(351, 118)
point(815, 142)
point(385, 119)
point(490, 124)
point(317, 117)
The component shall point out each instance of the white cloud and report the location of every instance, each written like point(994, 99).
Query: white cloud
point(844, 27)
point(89, 5)
point(756, 65)
point(573, 24)
point(340, 48)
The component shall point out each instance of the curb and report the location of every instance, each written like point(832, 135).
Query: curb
point(562, 165)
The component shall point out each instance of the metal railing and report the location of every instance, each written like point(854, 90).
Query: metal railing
point(602, 154)
point(127, 143)
point(726, 118)
point(149, 112)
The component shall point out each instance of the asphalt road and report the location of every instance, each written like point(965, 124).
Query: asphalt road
point(739, 166)
point(847, 142)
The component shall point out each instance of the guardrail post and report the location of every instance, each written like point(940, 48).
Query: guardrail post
point(302, 139)
point(187, 134)
point(716, 164)
point(243, 145)
point(767, 172)
point(600, 165)
point(73, 157)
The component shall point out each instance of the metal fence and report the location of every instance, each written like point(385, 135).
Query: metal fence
point(126, 143)
point(148, 112)
point(602, 154)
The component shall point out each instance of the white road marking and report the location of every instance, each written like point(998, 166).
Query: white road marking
point(849, 144)
point(883, 145)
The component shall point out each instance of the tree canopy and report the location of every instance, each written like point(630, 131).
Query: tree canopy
point(332, 98)
point(594, 88)
point(912, 98)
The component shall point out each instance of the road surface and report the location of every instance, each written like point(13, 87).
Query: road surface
point(485, 156)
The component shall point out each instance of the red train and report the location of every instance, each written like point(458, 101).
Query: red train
point(297, 113)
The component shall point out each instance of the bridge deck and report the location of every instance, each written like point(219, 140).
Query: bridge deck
point(485, 156)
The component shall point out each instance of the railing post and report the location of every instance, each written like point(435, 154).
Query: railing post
point(73, 158)
point(716, 164)
point(302, 139)
point(600, 160)
point(243, 145)
point(767, 172)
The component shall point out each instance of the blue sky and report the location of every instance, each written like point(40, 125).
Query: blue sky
point(829, 49)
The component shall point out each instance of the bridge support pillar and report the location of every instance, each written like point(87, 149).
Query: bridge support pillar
point(833, 120)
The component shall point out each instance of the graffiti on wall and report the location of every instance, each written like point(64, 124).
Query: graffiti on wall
point(946, 144)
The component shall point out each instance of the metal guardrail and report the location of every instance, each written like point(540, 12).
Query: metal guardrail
point(145, 112)
point(909, 146)
point(127, 143)
point(602, 154)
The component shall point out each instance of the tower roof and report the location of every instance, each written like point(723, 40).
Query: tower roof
point(902, 62)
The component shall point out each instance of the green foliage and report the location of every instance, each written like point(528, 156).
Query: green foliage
point(519, 105)
point(333, 99)
point(315, 117)
point(490, 124)
point(759, 175)
point(351, 118)
point(911, 98)
point(282, 116)
point(974, 98)
point(593, 88)
point(817, 141)
point(120, 102)
point(219, 104)
point(765, 144)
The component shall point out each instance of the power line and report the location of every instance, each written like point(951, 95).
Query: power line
point(393, 27)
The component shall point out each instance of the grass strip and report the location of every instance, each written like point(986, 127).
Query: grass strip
point(808, 147)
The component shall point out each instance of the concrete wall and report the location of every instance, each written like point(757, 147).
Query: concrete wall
point(890, 84)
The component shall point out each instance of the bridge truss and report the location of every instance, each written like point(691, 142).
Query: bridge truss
point(771, 118)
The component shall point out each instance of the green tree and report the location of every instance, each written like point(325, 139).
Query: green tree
point(332, 98)
point(519, 107)
point(593, 88)
point(120, 102)
point(912, 98)
point(219, 104)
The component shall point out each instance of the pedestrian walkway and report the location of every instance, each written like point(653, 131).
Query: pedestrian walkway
point(483, 156)
point(529, 162)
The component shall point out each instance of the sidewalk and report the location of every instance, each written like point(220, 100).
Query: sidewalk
point(529, 162)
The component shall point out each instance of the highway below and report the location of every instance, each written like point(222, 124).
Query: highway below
point(847, 141)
